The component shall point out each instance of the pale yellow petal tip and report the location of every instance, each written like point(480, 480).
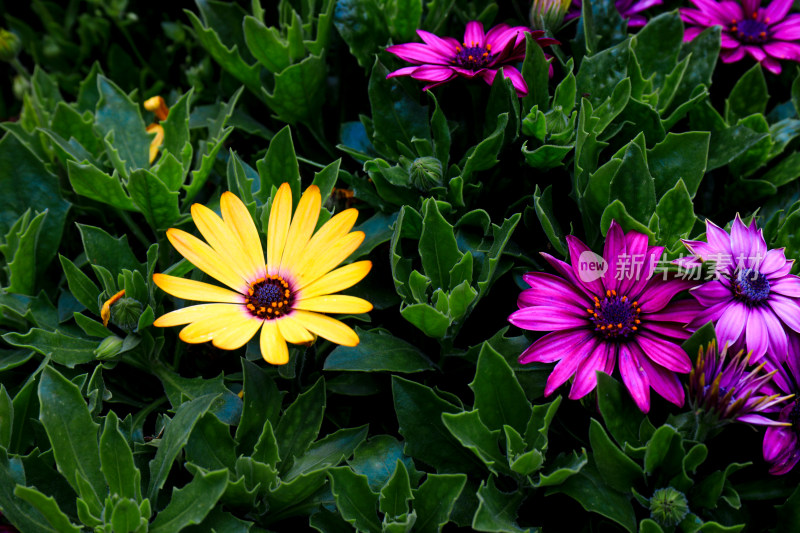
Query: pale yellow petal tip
point(105, 311)
point(273, 360)
point(160, 323)
point(157, 141)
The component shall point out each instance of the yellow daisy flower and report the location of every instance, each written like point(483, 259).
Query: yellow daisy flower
point(284, 297)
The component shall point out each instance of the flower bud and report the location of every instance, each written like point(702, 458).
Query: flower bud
point(10, 45)
point(668, 507)
point(109, 348)
point(125, 313)
point(426, 172)
point(548, 14)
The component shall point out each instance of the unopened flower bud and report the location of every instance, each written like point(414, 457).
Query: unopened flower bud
point(548, 14)
point(125, 313)
point(109, 348)
point(10, 45)
point(668, 507)
point(426, 172)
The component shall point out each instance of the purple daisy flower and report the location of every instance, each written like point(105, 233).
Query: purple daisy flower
point(753, 296)
point(722, 386)
point(604, 309)
point(628, 9)
point(781, 445)
point(480, 54)
point(766, 34)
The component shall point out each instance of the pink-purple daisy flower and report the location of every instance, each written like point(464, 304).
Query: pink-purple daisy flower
point(753, 296)
point(766, 34)
point(628, 9)
point(440, 59)
point(781, 445)
point(613, 311)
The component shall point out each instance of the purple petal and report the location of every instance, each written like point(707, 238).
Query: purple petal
point(576, 248)
point(433, 73)
point(756, 52)
point(740, 242)
point(776, 440)
point(788, 310)
point(757, 334)
point(445, 46)
point(405, 71)
point(778, 343)
point(788, 286)
point(774, 261)
point(613, 249)
point(721, 15)
point(516, 79)
point(726, 41)
point(663, 352)
point(771, 65)
point(418, 53)
point(544, 318)
point(711, 293)
point(602, 358)
point(718, 239)
point(658, 293)
point(682, 312)
point(757, 420)
point(555, 346)
point(787, 30)
point(634, 376)
point(568, 365)
point(668, 330)
point(664, 382)
point(549, 289)
point(566, 271)
point(501, 35)
point(731, 323)
point(473, 34)
point(777, 9)
point(750, 6)
point(691, 33)
point(732, 56)
point(781, 50)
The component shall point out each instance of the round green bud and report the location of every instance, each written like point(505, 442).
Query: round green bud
point(109, 348)
point(125, 313)
point(668, 506)
point(425, 173)
point(10, 45)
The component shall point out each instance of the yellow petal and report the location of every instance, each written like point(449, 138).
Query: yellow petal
point(225, 317)
point(191, 314)
point(303, 224)
point(333, 255)
point(333, 230)
point(226, 243)
point(293, 332)
point(157, 105)
point(273, 346)
point(189, 289)
point(206, 259)
point(237, 335)
point(157, 141)
point(279, 218)
point(238, 219)
point(327, 327)
point(337, 280)
point(334, 303)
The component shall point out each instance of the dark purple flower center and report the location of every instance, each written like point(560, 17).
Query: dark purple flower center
point(751, 286)
point(269, 298)
point(473, 57)
point(750, 30)
point(615, 317)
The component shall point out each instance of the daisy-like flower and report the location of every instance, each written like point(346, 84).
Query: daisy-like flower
point(722, 386)
point(628, 9)
point(440, 59)
point(781, 445)
point(754, 295)
point(766, 34)
point(283, 298)
point(601, 310)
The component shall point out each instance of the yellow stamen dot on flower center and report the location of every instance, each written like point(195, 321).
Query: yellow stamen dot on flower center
point(269, 298)
point(489, 47)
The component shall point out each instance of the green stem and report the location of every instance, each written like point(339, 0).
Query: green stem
point(21, 70)
point(310, 162)
point(134, 228)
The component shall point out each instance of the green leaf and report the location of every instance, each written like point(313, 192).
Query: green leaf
point(6, 417)
point(437, 245)
point(535, 72)
point(48, 507)
point(483, 155)
point(261, 401)
point(419, 414)
point(190, 504)
point(354, 499)
point(784, 172)
point(104, 250)
point(543, 203)
point(116, 461)
point(658, 448)
point(618, 470)
point(633, 185)
point(155, 200)
point(499, 399)
point(601, 73)
point(19, 250)
point(676, 216)
point(503, 99)
point(26, 182)
point(730, 143)
point(176, 133)
point(228, 406)
point(620, 414)
point(266, 44)
point(81, 286)
point(430, 320)
point(363, 26)
point(546, 156)
point(376, 459)
point(61, 348)
point(72, 434)
point(404, 17)
point(210, 445)
point(378, 351)
point(748, 96)
point(326, 178)
point(300, 423)
point(440, 132)
point(91, 182)
point(679, 156)
point(616, 211)
point(175, 437)
point(279, 165)
point(117, 113)
point(396, 494)
point(657, 46)
point(473, 434)
point(330, 451)
point(497, 510)
point(125, 516)
point(18, 512)
point(704, 50)
point(299, 91)
point(434, 500)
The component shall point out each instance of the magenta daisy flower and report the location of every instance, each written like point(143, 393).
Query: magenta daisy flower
point(722, 386)
point(628, 9)
point(766, 34)
point(440, 59)
point(603, 309)
point(754, 295)
point(781, 445)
